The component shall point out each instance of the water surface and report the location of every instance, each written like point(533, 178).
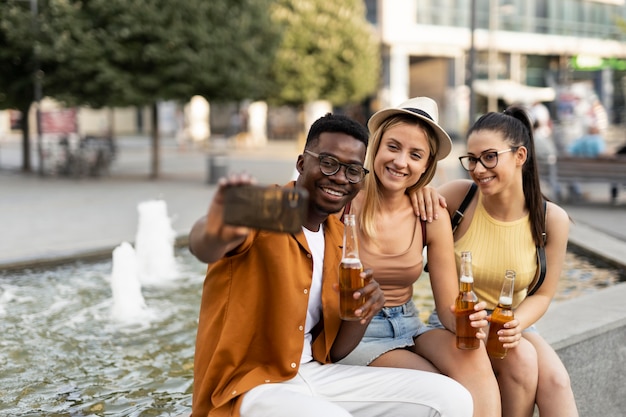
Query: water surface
point(62, 353)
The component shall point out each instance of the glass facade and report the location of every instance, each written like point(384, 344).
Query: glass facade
point(579, 42)
point(371, 7)
point(579, 18)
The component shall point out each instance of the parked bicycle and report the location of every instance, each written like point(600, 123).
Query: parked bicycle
point(90, 156)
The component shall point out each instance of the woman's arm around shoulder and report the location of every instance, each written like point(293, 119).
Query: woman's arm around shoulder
point(454, 192)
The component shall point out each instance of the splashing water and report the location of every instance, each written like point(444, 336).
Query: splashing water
point(128, 302)
point(63, 355)
point(152, 262)
point(71, 350)
point(154, 244)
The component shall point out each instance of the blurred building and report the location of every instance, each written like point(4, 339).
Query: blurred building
point(567, 54)
point(520, 51)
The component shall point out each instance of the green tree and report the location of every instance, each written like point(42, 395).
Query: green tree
point(18, 64)
point(328, 52)
point(137, 52)
point(131, 52)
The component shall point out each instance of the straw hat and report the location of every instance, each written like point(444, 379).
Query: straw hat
point(423, 108)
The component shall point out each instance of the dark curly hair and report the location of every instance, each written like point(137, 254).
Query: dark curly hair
point(337, 123)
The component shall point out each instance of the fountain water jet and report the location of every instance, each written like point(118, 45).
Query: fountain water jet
point(154, 244)
point(151, 262)
point(128, 302)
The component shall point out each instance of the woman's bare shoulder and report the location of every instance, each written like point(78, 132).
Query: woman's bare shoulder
point(454, 192)
point(556, 215)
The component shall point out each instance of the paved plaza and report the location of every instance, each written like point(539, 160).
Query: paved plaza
point(51, 218)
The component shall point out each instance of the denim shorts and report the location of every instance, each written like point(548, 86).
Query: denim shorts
point(392, 328)
point(433, 321)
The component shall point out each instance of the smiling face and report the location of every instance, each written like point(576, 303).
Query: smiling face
point(329, 193)
point(508, 169)
point(402, 157)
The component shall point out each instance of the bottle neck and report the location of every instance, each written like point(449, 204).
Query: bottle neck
point(508, 288)
point(350, 239)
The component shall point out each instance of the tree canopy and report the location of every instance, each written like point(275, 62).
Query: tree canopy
point(133, 52)
point(17, 59)
point(136, 52)
point(328, 51)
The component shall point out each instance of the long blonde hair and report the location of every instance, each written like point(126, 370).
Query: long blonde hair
point(372, 186)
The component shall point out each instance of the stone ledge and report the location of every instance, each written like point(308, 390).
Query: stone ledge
point(589, 335)
point(597, 244)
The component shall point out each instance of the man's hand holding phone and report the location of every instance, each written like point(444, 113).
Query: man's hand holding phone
point(261, 207)
point(238, 205)
point(215, 226)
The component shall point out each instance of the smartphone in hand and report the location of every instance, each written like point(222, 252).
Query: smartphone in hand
point(266, 207)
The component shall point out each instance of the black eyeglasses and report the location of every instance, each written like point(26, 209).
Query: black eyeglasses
point(488, 159)
point(329, 165)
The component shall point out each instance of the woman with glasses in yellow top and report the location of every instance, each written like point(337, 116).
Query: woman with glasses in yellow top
point(504, 226)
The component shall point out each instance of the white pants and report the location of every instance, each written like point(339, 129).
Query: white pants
point(342, 391)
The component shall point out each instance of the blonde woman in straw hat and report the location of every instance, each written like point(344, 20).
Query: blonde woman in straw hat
point(405, 145)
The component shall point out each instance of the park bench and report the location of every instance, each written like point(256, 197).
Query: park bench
point(603, 169)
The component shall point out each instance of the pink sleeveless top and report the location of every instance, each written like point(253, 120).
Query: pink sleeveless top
point(395, 273)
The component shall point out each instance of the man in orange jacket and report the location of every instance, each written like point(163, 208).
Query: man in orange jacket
point(269, 330)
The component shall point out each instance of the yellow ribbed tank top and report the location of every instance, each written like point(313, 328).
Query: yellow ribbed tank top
point(497, 246)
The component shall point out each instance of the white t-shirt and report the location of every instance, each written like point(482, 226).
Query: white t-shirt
point(314, 309)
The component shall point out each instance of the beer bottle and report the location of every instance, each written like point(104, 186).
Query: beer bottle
point(503, 313)
point(350, 270)
point(464, 306)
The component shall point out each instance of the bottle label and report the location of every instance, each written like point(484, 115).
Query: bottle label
point(351, 262)
point(466, 279)
point(505, 301)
